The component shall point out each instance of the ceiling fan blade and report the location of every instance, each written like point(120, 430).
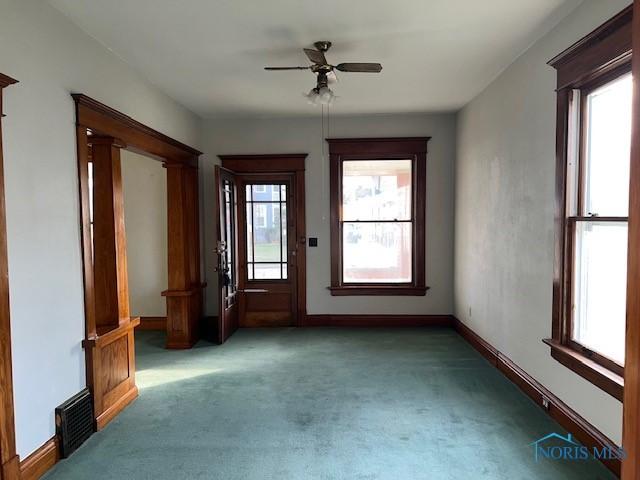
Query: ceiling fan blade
point(287, 68)
point(315, 56)
point(359, 67)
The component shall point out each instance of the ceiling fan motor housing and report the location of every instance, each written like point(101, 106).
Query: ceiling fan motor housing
point(323, 46)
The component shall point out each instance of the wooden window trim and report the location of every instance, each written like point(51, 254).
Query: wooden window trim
point(413, 148)
point(598, 58)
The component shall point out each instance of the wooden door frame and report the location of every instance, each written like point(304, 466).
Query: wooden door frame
point(9, 461)
point(631, 403)
point(184, 293)
point(283, 163)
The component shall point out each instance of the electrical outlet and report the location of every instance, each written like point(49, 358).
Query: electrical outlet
point(545, 403)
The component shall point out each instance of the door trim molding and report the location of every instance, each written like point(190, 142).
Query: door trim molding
point(293, 163)
point(9, 462)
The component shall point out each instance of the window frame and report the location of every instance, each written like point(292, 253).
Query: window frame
point(406, 148)
point(597, 59)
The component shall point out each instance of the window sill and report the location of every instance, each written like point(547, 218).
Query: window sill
point(601, 377)
point(379, 290)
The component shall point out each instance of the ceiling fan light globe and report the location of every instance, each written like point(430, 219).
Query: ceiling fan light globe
point(325, 95)
point(313, 97)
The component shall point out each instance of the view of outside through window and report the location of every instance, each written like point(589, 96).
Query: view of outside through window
point(601, 246)
point(377, 221)
point(266, 232)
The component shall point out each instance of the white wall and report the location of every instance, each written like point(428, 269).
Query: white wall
point(505, 174)
point(144, 182)
point(51, 58)
point(304, 135)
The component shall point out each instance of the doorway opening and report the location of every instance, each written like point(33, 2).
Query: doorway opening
point(102, 135)
point(261, 242)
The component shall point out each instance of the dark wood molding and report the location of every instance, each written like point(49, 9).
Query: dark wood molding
point(596, 59)
point(278, 164)
point(631, 404)
point(382, 290)
point(41, 461)
point(412, 148)
point(604, 49)
point(272, 163)
point(378, 146)
point(5, 81)
point(107, 121)
point(600, 376)
point(485, 349)
point(152, 323)
point(367, 321)
point(568, 418)
point(9, 462)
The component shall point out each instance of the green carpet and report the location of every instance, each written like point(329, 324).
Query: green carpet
point(322, 404)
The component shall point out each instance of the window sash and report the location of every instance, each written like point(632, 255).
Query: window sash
point(571, 312)
point(410, 220)
point(576, 178)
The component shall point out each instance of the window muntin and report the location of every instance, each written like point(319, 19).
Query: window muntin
point(377, 221)
point(266, 231)
point(598, 190)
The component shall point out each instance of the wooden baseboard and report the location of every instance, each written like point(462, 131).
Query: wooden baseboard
point(152, 323)
point(116, 408)
point(570, 420)
point(10, 470)
point(377, 321)
point(39, 462)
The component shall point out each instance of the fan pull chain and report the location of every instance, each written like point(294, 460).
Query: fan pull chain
point(324, 169)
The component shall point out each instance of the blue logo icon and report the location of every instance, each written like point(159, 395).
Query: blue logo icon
point(558, 447)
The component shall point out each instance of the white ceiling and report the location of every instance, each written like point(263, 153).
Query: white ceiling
point(208, 54)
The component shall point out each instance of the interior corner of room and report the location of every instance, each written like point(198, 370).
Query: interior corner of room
point(209, 268)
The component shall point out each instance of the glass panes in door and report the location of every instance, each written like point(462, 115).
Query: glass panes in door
point(266, 231)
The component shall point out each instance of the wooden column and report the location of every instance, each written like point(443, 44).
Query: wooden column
point(9, 462)
point(184, 296)
point(110, 344)
point(183, 292)
point(631, 420)
point(111, 287)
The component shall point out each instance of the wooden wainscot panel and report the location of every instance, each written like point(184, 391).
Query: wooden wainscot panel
point(113, 360)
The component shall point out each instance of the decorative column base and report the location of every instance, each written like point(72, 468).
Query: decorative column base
point(183, 318)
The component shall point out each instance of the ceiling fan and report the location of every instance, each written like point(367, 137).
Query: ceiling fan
point(321, 93)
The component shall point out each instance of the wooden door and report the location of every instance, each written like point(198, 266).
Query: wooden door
point(267, 250)
point(227, 251)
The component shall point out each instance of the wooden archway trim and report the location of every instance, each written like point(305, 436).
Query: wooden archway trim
point(109, 347)
point(107, 121)
point(10, 465)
